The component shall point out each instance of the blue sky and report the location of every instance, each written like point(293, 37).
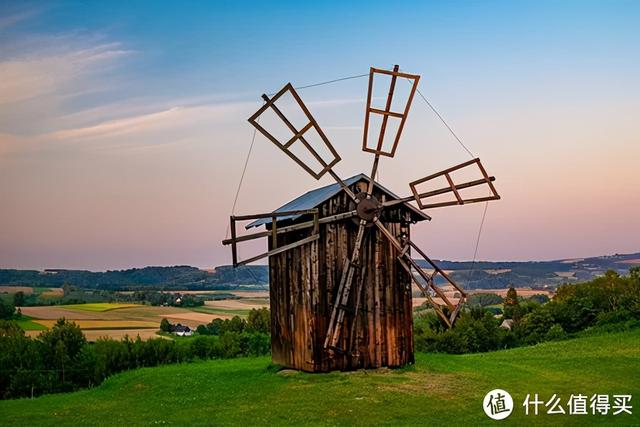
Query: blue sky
point(143, 106)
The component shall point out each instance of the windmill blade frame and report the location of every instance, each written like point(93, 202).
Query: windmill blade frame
point(386, 113)
point(297, 134)
point(454, 188)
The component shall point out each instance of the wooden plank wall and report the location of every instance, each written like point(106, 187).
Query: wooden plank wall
point(303, 286)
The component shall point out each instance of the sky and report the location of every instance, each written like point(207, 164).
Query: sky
point(123, 125)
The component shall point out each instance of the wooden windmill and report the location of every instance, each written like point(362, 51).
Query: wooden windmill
point(341, 260)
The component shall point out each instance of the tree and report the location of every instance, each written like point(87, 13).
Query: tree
point(18, 299)
point(236, 324)
point(165, 325)
point(535, 325)
point(6, 309)
point(512, 297)
point(62, 344)
point(511, 305)
point(259, 321)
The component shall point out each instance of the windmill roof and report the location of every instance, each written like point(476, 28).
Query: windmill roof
point(313, 198)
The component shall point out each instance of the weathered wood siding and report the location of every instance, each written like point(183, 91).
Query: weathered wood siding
point(304, 282)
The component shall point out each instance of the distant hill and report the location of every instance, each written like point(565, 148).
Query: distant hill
point(535, 274)
point(177, 277)
point(485, 275)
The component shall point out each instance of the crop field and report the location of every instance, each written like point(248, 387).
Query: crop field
point(114, 320)
point(103, 324)
point(99, 307)
point(522, 292)
point(119, 319)
point(439, 389)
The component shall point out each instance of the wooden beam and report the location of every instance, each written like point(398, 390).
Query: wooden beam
point(386, 113)
point(271, 214)
point(280, 249)
point(295, 227)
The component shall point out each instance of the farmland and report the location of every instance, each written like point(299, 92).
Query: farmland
point(439, 389)
point(116, 320)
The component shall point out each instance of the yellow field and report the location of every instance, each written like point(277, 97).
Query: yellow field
point(116, 334)
point(52, 293)
point(103, 324)
point(99, 307)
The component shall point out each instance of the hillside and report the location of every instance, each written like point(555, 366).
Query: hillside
point(486, 275)
point(440, 389)
point(168, 278)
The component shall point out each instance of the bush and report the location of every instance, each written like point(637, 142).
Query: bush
point(534, 326)
point(607, 303)
point(555, 333)
point(475, 331)
point(6, 310)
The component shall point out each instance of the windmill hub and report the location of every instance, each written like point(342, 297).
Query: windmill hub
point(368, 208)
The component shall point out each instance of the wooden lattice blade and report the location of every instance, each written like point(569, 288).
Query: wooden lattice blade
point(297, 135)
point(459, 191)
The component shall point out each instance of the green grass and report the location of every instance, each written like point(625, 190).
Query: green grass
point(98, 307)
point(27, 324)
point(439, 389)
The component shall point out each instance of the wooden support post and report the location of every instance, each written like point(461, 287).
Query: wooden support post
point(274, 233)
point(234, 249)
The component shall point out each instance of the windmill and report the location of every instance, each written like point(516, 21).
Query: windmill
point(341, 260)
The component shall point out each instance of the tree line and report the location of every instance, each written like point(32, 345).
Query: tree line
point(607, 303)
point(61, 359)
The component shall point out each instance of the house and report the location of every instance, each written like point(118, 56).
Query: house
point(507, 324)
point(182, 331)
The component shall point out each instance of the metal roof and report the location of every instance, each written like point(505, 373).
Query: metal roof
point(314, 198)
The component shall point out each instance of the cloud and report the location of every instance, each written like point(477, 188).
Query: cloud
point(171, 118)
point(11, 20)
point(47, 72)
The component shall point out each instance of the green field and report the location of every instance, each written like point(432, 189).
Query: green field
point(27, 324)
point(438, 390)
point(98, 306)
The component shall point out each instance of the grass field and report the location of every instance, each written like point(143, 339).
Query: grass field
point(27, 324)
point(438, 390)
